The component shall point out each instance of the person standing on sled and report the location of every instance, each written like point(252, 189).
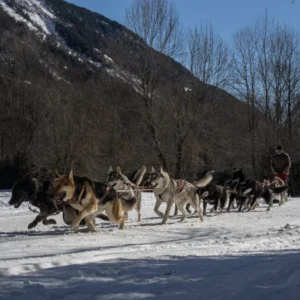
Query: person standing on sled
point(281, 164)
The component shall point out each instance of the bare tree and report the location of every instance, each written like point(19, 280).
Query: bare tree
point(209, 56)
point(245, 65)
point(157, 23)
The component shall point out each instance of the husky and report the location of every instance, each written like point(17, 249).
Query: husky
point(130, 196)
point(253, 190)
point(233, 185)
point(38, 194)
point(277, 182)
point(238, 174)
point(217, 195)
point(90, 198)
point(171, 191)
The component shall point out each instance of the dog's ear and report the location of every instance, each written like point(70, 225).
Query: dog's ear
point(37, 183)
point(57, 175)
point(110, 169)
point(119, 170)
point(161, 170)
point(70, 176)
point(205, 194)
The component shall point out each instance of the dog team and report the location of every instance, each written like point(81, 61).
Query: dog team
point(82, 200)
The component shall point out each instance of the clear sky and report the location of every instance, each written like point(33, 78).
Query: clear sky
point(226, 16)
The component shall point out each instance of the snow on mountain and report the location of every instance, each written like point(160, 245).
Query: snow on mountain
point(39, 18)
point(33, 13)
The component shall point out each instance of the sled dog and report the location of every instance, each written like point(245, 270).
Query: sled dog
point(90, 198)
point(171, 191)
point(130, 195)
point(254, 190)
point(38, 194)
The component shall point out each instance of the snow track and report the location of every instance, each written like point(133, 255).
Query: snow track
point(228, 256)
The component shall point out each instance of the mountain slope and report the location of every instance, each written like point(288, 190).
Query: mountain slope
point(71, 71)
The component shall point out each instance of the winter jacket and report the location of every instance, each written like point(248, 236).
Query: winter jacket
point(280, 163)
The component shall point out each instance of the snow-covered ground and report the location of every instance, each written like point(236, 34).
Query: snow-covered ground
point(229, 256)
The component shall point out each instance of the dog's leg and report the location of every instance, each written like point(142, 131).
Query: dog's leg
point(282, 198)
point(175, 211)
point(286, 196)
point(188, 208)
point(167, 213)
point(217, 204)
point(231, 200)
point(90, 224)
point(253, 203)
point(90, 209)
point(247, 204)
point(234, 203)
point(180, 206)
point(138, 207)
point(224, 201)
point(156, 208)
point(40, 217)
point(242, 201)
point(270, 203)
point(198, 208)
point(49, 222)
point(125, 215)
point(204, 207)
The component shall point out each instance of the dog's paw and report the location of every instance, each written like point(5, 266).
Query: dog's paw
point(87, 230)
point(49, 222)
point(74, 225)
point(31, 225)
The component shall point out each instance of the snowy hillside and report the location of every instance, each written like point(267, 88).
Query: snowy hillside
point(229, 256)
point(34, 14)
point(39, 17)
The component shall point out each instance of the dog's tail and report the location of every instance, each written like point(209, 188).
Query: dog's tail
point(279, 189)
point(279, 180)
point(138, 177)
point(128, 205)
point(117, 211)
point(204, 181)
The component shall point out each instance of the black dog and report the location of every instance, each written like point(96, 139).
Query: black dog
point(39, 195)
point(216, 195)
point(253, 190)
point(233, 187)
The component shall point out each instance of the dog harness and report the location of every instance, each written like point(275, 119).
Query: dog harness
point(180, 185)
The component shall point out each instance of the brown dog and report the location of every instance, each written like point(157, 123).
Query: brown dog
point(90, 198)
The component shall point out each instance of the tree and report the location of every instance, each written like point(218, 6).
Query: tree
point(157, 23)
point(209, 57)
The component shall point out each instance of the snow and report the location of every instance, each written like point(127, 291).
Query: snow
point(16, 16)
point(95, 63)
point(39, 15)
point(228, 256)
point(108, 59)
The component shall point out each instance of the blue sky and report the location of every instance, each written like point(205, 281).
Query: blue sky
point(226, 16)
